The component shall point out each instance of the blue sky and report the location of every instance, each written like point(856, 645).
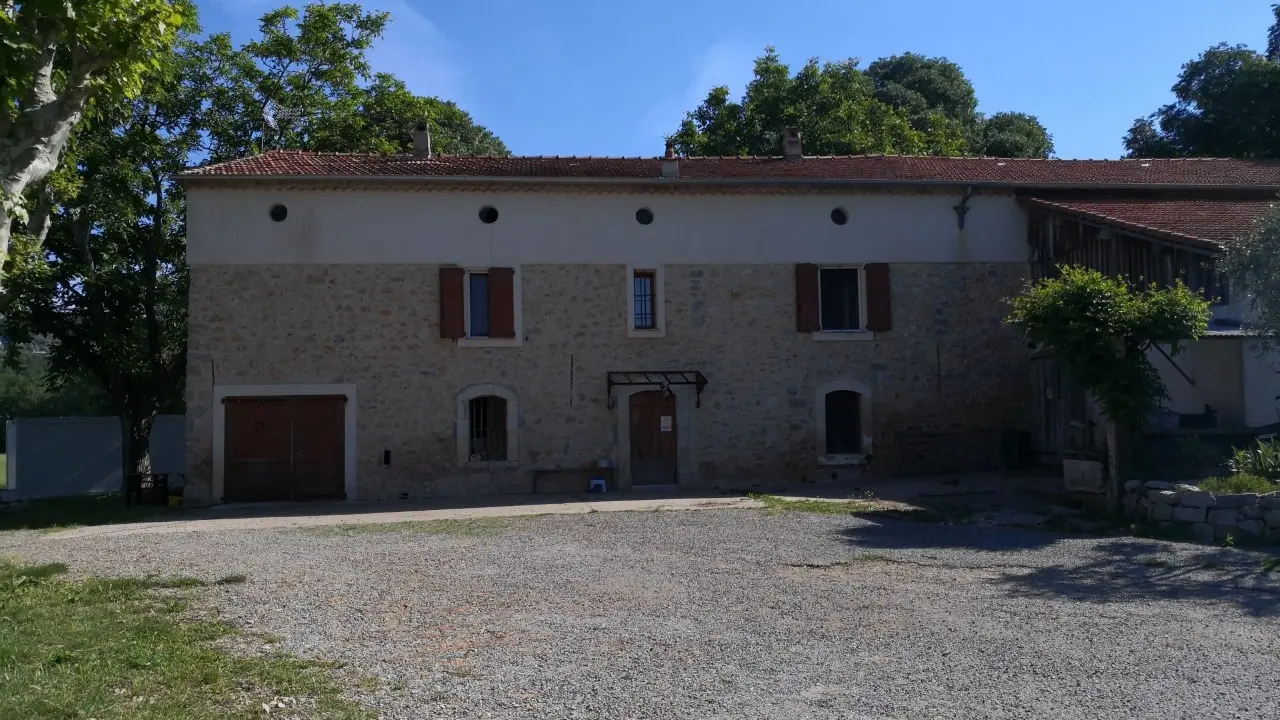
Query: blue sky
point(612, 77)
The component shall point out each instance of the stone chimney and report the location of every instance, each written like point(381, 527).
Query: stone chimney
point(670, 163)
point(422, 140)
point(791, 149)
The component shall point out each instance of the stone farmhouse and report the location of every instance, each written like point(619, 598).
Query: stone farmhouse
point(376, 327)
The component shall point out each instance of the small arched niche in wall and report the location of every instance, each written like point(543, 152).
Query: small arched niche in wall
point(486, 426)
point(843, 420)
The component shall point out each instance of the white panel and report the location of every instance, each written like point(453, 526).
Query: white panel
point(1261, 386)
point(233, 227)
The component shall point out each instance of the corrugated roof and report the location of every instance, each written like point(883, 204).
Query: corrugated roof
point(1215, 221)
point(864, 168)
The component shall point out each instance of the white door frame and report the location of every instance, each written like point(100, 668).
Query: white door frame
point(686, 398)
point(222, 392)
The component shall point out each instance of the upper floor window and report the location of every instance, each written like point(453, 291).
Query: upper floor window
point(480, 305)
point(477, 304)
point(840, 306)
point(850, 302)
point(646, 314)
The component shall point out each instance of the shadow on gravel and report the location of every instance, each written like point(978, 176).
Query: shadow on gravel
point(1127, 570)
point(886, 534)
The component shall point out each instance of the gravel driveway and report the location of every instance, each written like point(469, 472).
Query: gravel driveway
point(742, 614)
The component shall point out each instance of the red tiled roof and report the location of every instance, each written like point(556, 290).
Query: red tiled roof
point(1216, 221)
point(863, 168)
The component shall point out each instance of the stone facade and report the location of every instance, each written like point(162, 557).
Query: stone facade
point(944, 381)
point(1209, 517)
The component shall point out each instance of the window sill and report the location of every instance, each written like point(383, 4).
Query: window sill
point(835, 460)
point(482, 342)
point(646, 332)
point(843, 336)
point(491, 465)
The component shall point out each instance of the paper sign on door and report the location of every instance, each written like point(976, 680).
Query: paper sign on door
point(666, 423)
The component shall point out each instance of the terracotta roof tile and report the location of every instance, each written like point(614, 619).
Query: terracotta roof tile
point(866, 168)
point(1216, 221)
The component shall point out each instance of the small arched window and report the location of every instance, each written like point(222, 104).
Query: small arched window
point(487, 418)
point(844, 422)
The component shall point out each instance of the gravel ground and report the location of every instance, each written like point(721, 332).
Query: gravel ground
point(741, 614)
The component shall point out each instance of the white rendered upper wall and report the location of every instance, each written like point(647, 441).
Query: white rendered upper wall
point(331, 226)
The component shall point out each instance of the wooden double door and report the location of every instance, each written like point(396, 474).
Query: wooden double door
point(653, 438)
point(284, 448)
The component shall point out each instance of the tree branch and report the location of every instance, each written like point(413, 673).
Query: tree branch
point(41, 218)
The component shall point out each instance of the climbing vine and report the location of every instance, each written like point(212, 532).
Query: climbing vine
point(1101, 327)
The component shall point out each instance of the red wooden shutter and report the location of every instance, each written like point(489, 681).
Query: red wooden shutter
point(807, 298)
point(879, 298)
point(502, 303)
point(452, 304)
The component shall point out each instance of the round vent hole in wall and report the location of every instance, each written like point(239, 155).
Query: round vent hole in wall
point(488, 214)
point(839, 216)
point(644, 216)
point(279, 213)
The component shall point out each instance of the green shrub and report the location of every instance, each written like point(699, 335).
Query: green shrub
point(1238, 483)
point(1263, 459)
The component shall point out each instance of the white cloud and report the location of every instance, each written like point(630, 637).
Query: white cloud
point(412, 48)
point(727, 62)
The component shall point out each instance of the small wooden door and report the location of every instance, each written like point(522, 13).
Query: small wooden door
point(284, 448)
point(653, 438)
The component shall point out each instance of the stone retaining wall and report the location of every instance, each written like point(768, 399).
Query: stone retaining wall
point(1209, 517)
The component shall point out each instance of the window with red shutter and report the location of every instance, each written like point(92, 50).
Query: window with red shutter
point(501, 302)
point(807, 318)
point(452, 303)
point(879, 298)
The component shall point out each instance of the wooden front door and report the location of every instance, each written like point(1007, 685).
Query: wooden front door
point(284, 448)
point(653, 438)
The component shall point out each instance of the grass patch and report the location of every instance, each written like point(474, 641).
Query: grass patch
point(775, 505)
point(114, 648)
point(4, 471)
point(65, 513)
point(1239, 483)
point(468, 527)
point(1271, 564)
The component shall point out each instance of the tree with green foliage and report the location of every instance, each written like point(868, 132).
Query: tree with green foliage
point(108, 285)
point(55, 57)
point(306, 84)
point(906, 104)
point(1100, 328)
point(1013, 134)
point(1251, 264)
point(1227, 104)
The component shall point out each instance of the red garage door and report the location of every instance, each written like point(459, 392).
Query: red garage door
point(284, 448)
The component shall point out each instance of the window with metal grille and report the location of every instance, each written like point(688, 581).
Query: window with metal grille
point(488, 418)
point(477, 305)
point(844, 423)
point(840, 299)
point(642, 290)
